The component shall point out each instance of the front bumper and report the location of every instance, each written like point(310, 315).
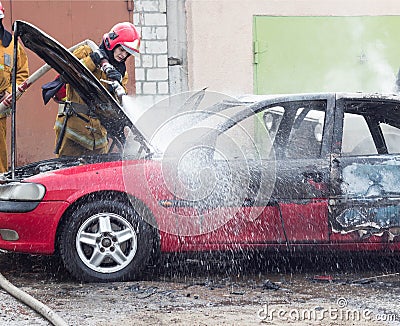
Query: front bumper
point(36, 229)
point(17, 206)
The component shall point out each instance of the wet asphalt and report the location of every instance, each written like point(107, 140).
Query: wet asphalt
point(211, 289)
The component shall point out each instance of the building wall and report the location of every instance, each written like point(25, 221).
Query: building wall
point(161, 69)
point(150, 17)
point(216, 52)
point(220, 54)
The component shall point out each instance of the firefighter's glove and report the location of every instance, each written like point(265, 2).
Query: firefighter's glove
point(98, 56)
point(111, 72)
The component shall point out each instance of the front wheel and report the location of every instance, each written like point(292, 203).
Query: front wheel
point(106, 241)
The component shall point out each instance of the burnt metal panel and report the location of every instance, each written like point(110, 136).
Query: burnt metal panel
point(366, 195)
point(365, 189)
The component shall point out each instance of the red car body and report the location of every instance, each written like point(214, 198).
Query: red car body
point(37, 229)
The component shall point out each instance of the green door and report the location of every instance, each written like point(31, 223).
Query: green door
point(323, 54)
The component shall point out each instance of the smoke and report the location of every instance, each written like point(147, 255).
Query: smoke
point(385, 80)
point(367, 68)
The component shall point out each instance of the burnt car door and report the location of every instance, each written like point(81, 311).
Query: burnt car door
point(302, 147)
point(364, 206)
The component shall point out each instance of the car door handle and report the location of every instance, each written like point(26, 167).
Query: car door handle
point(336, 162)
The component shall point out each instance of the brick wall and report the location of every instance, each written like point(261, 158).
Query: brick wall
point(150, 18)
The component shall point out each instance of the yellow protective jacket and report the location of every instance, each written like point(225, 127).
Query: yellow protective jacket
point(87, 132)
point(6, 65)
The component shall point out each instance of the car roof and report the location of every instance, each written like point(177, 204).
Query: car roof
point(318, 95)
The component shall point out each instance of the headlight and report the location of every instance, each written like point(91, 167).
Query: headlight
point(17, 191)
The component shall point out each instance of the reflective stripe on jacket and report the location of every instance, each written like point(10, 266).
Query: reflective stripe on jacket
point(90, 134)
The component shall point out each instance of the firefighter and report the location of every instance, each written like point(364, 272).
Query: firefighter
point(6, 64)
point(82, 133)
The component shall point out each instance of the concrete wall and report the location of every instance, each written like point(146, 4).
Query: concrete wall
point(220, 34)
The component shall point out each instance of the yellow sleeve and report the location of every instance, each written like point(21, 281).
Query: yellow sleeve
point(125, 82)
point(22, 67)
point(83, 53)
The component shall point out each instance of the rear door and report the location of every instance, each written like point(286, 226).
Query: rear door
point(366, 171)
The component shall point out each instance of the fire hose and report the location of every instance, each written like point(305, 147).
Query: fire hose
point(30, 301)
point(39, 73)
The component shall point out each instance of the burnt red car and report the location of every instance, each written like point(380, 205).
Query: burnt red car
point(205, 172)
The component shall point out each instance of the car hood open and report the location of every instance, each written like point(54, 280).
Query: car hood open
point(92, 92)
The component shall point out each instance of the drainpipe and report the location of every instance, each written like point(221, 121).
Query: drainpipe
point(130, 7)
point(177, 46)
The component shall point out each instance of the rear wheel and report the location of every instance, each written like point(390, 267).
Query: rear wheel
point(106, 241)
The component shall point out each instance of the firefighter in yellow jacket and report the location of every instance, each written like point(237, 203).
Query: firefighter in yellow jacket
point(6, 64)
point(83, 133)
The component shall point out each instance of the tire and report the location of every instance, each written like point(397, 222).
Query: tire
point(106, 241)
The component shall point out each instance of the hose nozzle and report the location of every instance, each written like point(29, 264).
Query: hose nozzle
point(117, 88)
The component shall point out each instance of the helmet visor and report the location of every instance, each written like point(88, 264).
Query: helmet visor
point(131, 47)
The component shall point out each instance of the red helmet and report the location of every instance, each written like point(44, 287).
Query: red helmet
point(1, 11)
point(124, 34)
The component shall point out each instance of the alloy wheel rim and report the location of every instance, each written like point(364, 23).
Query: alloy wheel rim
point(106, 242)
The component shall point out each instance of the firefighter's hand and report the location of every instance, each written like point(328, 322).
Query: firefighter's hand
point(98, 56)
point(6, 99)
point(111, 72)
